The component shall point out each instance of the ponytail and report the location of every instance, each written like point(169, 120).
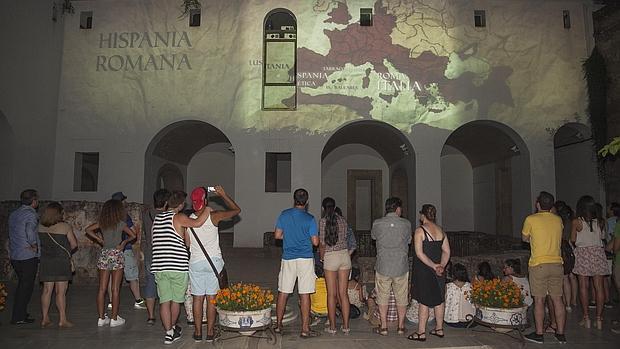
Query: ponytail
point(331, 221)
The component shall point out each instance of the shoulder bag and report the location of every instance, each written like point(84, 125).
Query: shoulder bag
point(222, 276)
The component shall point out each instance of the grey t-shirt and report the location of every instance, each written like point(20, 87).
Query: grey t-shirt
point(393, 235)
point(112, 237)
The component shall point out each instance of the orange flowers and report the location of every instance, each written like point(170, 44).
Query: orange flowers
point(243, 297)
point(496, 293)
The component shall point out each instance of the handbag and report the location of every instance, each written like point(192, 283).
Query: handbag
point(66, 251)
point(222, 276)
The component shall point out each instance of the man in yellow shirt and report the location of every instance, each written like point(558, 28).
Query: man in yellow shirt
point(543, 230)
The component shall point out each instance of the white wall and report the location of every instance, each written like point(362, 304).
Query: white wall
point(575, 173)
point(457, 193)
point(32, 47)
point(213, 165)
point(484, 198)
point(350, 157)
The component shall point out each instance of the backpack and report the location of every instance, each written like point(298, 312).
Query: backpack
point(568, 257)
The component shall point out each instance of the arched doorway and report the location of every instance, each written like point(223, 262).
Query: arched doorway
point(362, 164)
point(187, 154)
point(7, 140)
point(485, 179)
point(575, 163)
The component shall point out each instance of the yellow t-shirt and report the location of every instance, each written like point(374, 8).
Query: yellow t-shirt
point(318, 299)
point(545, 232)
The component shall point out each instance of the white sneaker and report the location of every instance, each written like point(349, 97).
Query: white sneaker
point(103, 322)
point(118, 322)
point(109, 305)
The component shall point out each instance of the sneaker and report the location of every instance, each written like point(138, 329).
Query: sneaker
point(109, 305)
point(172, 337)
point(608, 305)
point(561, 338)
point(569, 309)
point(197, 337)
point(118, 322)
point(178, 329)
point(535, 338)
point(615, 330)
point(592, 305)
point(103, 322)
point(190, 323)
point(139, 304)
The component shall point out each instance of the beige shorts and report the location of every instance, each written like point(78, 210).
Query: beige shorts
point(399, 284)
point(546, 279)
point(337, 260)
point(300, 270)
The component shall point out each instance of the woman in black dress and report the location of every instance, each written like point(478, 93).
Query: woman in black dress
point(57, 244)
point(432, 253)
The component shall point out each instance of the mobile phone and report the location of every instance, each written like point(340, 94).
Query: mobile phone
point(211, 189)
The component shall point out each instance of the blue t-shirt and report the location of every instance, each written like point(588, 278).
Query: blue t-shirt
point(129, 222)
point(298, 227)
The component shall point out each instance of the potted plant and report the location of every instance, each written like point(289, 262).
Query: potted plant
point(244, 308)
point(499, 302)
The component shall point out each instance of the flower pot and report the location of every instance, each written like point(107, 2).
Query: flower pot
point(502, 316)
point(245, 322)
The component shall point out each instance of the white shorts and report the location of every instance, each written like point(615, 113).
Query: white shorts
point(300, 270)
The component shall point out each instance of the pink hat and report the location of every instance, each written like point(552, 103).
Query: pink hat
point(198, 198)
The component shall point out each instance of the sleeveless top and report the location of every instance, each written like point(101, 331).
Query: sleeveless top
point(168, 248)
point(112, 237)
point(589, 237)
point(209, 235)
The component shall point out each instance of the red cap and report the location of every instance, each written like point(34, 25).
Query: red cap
point(198, 198)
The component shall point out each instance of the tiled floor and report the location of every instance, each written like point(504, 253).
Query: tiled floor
point(259, 266)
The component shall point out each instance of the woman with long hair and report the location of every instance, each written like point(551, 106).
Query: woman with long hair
point(111, 261)
point(432, 253)
point(55, 267)
point(336, 263)
point(590, 260)
point(570, 285)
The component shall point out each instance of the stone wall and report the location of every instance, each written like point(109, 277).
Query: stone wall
point(79, 214)
point(607, 36)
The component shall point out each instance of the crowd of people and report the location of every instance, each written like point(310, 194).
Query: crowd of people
point(570, 261)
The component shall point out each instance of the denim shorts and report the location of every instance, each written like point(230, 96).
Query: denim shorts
point(150, 287)
point(202, 279)
point(131, 266)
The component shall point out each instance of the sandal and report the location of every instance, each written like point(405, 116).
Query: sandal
point(550, 329)
point(330, 331)
point(345, 331)
point(438, 332)
point(309, 334)
point(277, 329)
point(381, 331)
point(401, 330)
point(150, 321)
point(417, 337)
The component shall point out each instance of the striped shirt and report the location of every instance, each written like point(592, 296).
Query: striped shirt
point(169, 250)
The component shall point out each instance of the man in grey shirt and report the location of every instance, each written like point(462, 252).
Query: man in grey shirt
point(393, 236)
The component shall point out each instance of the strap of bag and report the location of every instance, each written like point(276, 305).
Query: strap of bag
point(204, 251)
point(59, 245)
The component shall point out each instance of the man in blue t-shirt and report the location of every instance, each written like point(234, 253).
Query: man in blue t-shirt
point(299, 232)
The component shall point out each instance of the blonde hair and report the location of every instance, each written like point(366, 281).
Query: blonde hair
point(52, 214)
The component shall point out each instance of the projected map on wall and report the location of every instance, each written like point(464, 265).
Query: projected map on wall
point(364, 70)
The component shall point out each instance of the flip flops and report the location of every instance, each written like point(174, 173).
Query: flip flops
point(438, 332)
point(417, 337)
point(309, 334)
point(381, 331)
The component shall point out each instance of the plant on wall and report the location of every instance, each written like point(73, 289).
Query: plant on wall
point(189, 5)
point(610, 149)
point(596, 78)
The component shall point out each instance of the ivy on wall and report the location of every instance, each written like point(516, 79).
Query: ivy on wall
point(595, 74)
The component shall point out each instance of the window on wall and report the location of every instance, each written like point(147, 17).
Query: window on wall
point(280, 61)
point(278, 172)
point(86, 172)
point(480, 18)
point(366, 17)
point(86, 20)
point(194, 17)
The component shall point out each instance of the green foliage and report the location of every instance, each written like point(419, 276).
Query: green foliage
point(595, 73)
point(610, 149)
point(189, 5)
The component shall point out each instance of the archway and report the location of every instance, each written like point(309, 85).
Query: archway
point(187, 154)
point(362, 164)
point(485, 179)
point(575, 163)
point(7, 142)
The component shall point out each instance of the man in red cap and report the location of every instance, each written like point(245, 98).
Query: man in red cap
point(203, 279)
